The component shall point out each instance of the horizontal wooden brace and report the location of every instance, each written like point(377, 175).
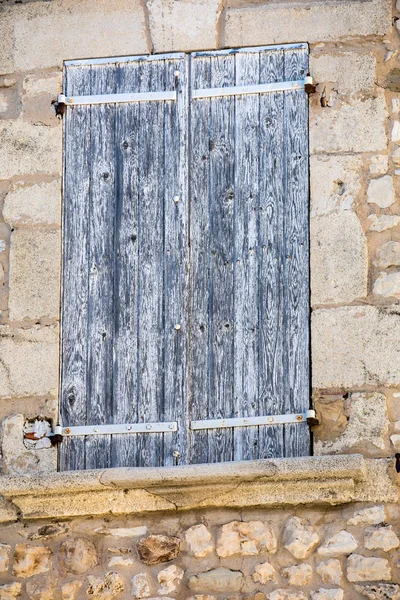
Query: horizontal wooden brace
point(116, 98)
point(237, 90)
point(252, 421)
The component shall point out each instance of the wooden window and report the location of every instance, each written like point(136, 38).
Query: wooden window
point(185, 274)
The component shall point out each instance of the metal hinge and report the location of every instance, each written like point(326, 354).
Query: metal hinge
point(254, 421)
point(118, 429)
point(262, 88)
point(64, 100)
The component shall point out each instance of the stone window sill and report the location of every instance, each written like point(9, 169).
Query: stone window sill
point(323, 480)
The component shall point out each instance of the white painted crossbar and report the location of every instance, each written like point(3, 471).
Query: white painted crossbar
point(252, 421)
point(262, 88)
point(116, 98)
point(123, 428)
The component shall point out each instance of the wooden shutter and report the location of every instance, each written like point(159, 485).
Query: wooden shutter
point(185, 286)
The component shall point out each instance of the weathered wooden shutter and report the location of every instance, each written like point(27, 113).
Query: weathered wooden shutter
point(185, 284)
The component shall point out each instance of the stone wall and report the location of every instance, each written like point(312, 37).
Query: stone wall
point(316, 553)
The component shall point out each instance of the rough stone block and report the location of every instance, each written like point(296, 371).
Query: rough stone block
point(188, 25)
point(351, 72)
point(31, 560)
point(320, 22)
point(28, 148)
point(199, 540)
point(381, 191)
point(298, 575)
point(373, 515)
point(335, 182)
point(37, 203)
point(329, 129)
point(342, 542)
point(246, 538)
point(339, 259)
point(105, 588)
point(263, 573)
point(387, 285)
point(383, 222)
point(298, 537)
point(330, 571)
point(361, 568)
point(381, 538)
point(217, 580)
point(5, 551)
point(35, 263)
point(28, 361)
point(169, 579)
point(355, 346)
point(41, 588)
point(77, 556)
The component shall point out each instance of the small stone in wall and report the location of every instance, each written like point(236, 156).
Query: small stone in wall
point(263, 573)
point(380, 591)
point(381, 191)
point(140, 586)
point(383, 222)
point(323, 594)
point(256, 596)
point(246, 538)
point(69, 590)
point(298, 537)
point(105, 588)
point(41, 588)
point(169, 579)
point(388, 255)
point(387, 285)
point(203, 597)
point(120, 561)
point(373, 515)
point(122, 532)
point(48, 531)
point(31, 560)
point(395, 439)
point(283, 594)
point(77, 556)
point(298, 575)
point(199, 541)
point(219, 580)
point(341, 543)
point(396, 131)
point(5, 551)
point(157, 549)
point(9, 591)
point(381, 538)
point(362, 568)
point(379, 164)
point(330, 571)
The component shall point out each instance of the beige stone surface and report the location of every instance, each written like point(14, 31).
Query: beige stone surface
point(31, 560)
point(381, 538)
point(247, 539)
point(383, 222)
point(379, 590)
point(41, 588)
point(37, 84)
point(156, 549)
point(327, 594)
point(298, 575)
point(335, 183)
point(388, 255)
point(122, 532)
point(35, 263)
point(299, 538)
point(342, 542)
point(5, 551)
point(285, 594)
point(105, 588)
point(38, 203)
point(188, 25)
point(339, 258)
point(77, 556)
point(381, 191)
point(263, 573)
point(373, 515)
point(199, 541)
point(354, 346)
point(169, 580)
point(361, 568)
point(140, 585)
point(329, 129)
point(65, 30)
point(28, 361)
point(387, 285)
point(70, 590)
point(27, 148)
point(379, 164)
point(10, 590)
point(313, 23)
point(330, 571)
point(220, 580)
point(351, 72)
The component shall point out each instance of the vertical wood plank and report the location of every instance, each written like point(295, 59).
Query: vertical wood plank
point(221, 215)
point(101, 268)
point(271, 256)
point(246, 258)
point(199, 182)
point(176, 263)
point(125, 410)
point(297, 437)
point(76, 186)
point(151, 244)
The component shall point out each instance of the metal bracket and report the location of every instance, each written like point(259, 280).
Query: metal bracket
point(59, 105)
point(253, 421)
point(119, 429)
point(115, 98)
point(309, 84)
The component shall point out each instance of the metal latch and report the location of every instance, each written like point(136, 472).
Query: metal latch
point(298, 418)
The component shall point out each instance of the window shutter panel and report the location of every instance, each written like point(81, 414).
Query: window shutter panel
point(185, 278)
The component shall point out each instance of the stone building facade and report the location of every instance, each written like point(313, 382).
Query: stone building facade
point(325, 527)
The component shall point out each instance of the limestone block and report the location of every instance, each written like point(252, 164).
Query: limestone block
point(39, 203)
point(381, 538)
point(105, 588)
point(120, 561)
point(378, 485)
point(219, 580)
point(48, 531)
point(396, 156)
point(388, 255)
point(367, 428)
point(361, 568)
point(313, 22)
point(69, 590)
point(35, 85)
point(204, 597)
point(157, 549)
point(329, 129)
point(379, 164)
point(395, 439)
point(122, 532)
point(263, 573)
point(335, 182)
point(285, 594)
point(246, 538)
point(65, 29)
point(351, 72)
point(199, 541)
point(339, 259)
point(5, 551)
point(28, 148)
point(77, 556)
point(332, 418)
point(341, 543)
point(186, 25)
point(41, 588)
point(381, 191)
point(35, 262)
point(330, 571)
point(380, 591)
point(298, 537)
point(9, 591)
point(373, 515)
point(298, 575)
point(387, 285)
point(31, 560)
point(169, 579)
point(383, 222)
point(354, 346)
point(393, 403)
point(140, 585)
point(323, 594)
point(395, 135)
